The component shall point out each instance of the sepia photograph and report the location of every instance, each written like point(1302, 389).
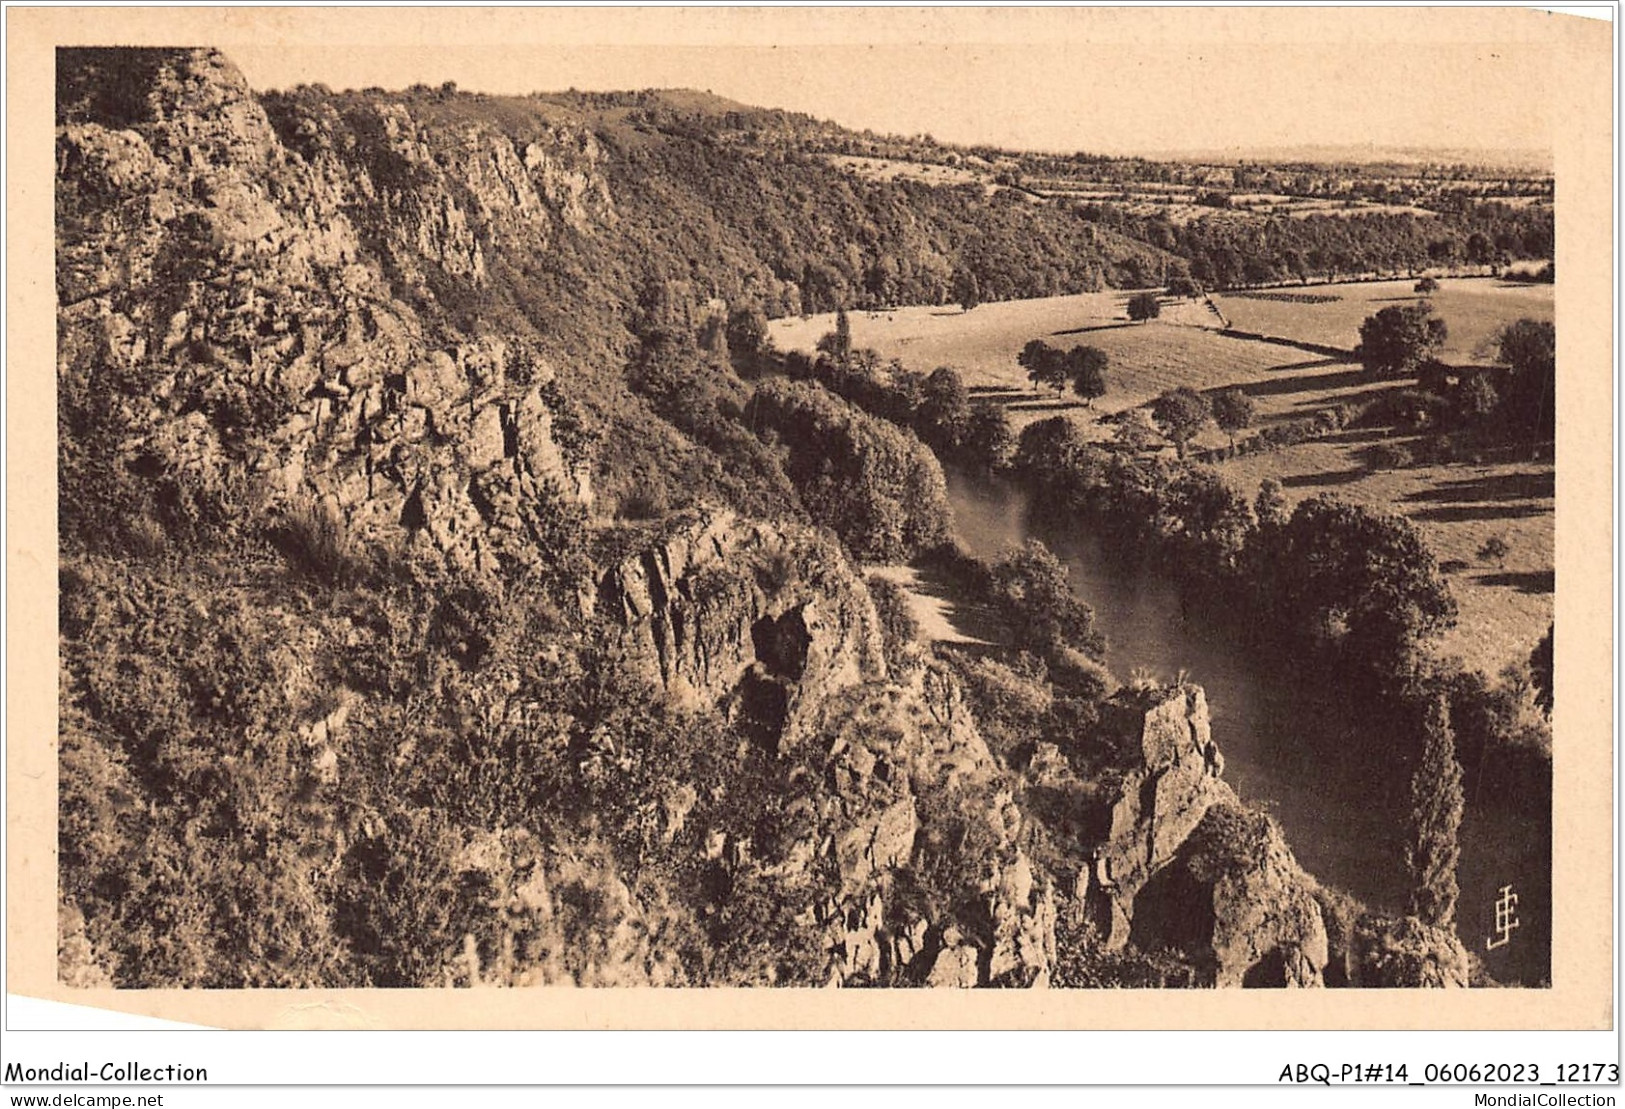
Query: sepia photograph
point(1055, 512)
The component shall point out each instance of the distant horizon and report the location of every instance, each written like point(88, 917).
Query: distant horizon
point(1145, 82)
point(1530, 158)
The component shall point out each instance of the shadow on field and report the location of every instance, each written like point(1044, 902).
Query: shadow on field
point(1353, 437)
point(1364, 396)
point(1528, 581)
point(1525, 486)
point(1325, 477)
point(1458, 514)
point(1310, 364)
point(1309, 383)
point(1044, 405)
point(1095, 327)
point(1337, 353)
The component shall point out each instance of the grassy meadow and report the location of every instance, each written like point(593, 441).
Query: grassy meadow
point(1475, 308)
point(1457, 506)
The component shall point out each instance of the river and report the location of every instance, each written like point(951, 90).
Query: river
point(1284, 753)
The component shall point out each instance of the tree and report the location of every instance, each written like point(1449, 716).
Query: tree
point(1397, 340)
point(1181, 413)
point(1540, 670)
point(747, 333)
point(1425, 286)
point(1528, 348)
point(967, 289)
point(988, 438)
point(1495, 549)
point(1087, 368)
point(838, 343)
point(1134, 433)
point(1206, 517)
point(1036, 597)
point(1044, 365)
point(944, 412)
point(1182, 287)
point(1365, 584)
point(1476, 398)
point(1144, 306)
point(1432, 847)
point(1270, 504)
point(1233, 411)
point(1052, 452)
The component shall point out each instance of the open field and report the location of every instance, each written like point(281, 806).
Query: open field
point(1476, 309)
point(1183, 347)
point(1457, 507)
point(886, 169)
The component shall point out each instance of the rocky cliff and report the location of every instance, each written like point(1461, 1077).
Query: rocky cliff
point(446, 196)
point(1170, 857)
point(936, 887)
point(767, 621)
point(223, 329)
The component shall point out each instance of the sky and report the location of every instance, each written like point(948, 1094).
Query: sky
point(1105, 80)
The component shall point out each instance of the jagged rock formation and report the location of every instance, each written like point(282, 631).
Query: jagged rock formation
point(920, 836)
point(766, 619)
point(769, 623)
point(1181, 863)
point(447, 197)
point(220, 317)
point(921, 797)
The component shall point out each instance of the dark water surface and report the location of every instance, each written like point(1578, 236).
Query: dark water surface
point(1284, 752)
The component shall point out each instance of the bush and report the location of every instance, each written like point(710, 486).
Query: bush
point(1390, 456)
point(1495, 549)
point(1540, 670)
point(1411, 409)
point(316, 543)
point(1406, 954)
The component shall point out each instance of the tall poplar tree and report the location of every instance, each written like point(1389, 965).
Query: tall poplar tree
point(1433, 848)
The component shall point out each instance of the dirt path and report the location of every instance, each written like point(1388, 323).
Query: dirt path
point(931, 608)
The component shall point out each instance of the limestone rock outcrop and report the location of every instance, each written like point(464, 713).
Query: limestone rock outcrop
point(221, 317)
point(766, 620)
point(434, 188)
point(935, 887)
point(1184, 864)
